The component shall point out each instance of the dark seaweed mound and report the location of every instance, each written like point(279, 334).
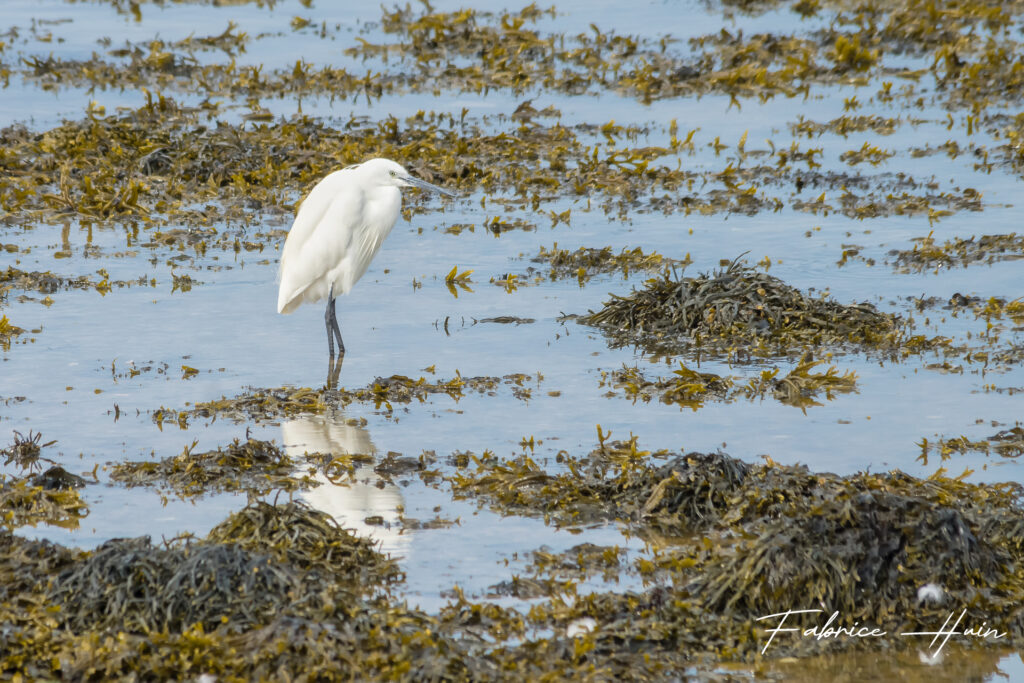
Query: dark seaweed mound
point(737, 307)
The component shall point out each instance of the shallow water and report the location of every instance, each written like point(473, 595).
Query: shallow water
point(70, 367)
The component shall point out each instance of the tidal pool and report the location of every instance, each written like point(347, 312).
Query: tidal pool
point(726, 168)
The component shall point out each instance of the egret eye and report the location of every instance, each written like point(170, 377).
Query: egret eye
point(393, 174)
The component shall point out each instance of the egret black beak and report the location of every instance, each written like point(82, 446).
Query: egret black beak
point(424, 185)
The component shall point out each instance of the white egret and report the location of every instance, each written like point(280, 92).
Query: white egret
point(337, 232)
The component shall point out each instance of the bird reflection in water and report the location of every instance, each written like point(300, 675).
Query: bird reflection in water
point(351, 501)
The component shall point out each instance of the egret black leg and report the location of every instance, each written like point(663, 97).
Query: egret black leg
point(327, 320)
point(337, 330)
point(331, 320)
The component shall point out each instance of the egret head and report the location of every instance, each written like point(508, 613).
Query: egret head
point(388, 173)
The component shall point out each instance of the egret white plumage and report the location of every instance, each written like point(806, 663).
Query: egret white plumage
point(340, 227)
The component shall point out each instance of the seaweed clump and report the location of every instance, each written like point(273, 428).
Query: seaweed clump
point(269, 404)
point(734, 542)
point(586, 262)
point(308, 539)
point(48, 282)
point(690, 389)
point(8, 331)
point(738, 308)
point(280, 590)
point(255, 466)
point(243, 574)
point(26, 451)
point(146, 588)
point(927, 254)
point(1006, 443)
point(27, 500)
point(272, 588)
point(580, 561)
point(612, 482)
point(48, 497)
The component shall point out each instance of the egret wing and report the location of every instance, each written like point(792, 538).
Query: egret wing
point(318, 240)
